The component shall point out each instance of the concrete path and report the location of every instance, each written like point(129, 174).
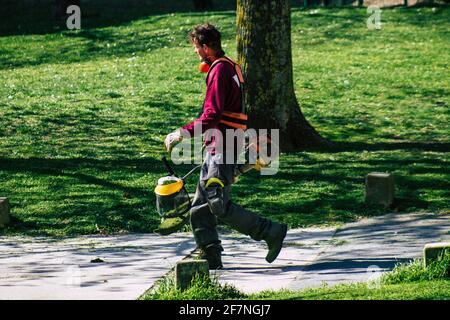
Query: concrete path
point(43, 268)
point(359, 251)
point(246, 268)
point(363, 250)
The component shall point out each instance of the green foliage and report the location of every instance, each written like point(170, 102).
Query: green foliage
point(83, 115)
point(416, 271)
point(202, 287)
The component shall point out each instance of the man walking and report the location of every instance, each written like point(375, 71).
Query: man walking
point(222, 110)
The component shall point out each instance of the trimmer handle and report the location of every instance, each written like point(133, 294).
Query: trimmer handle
point(168, 167)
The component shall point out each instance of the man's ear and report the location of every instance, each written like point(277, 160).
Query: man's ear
point(207, 50)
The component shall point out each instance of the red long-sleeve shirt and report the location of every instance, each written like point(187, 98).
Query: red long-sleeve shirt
point(222, 93)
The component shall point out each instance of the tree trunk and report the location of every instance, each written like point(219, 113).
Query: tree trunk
point(264, 52)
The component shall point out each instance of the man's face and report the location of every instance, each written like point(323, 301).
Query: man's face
point(200, 50)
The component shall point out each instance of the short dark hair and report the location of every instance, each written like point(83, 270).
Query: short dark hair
point(206, 34)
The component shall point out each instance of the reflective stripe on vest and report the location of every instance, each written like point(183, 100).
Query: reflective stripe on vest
point(234, 120)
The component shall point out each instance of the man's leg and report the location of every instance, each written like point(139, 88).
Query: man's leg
point(257, 228)
point(244, 221)
point(204, 224)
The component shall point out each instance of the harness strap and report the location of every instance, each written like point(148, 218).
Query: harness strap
point(233, 119)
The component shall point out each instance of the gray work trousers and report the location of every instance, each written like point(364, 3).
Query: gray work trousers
point(219, 208)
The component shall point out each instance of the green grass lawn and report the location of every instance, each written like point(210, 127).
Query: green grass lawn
point(211, 289)
point(424, 290)
point(408, 281)
point(83, 115)
point(204, 289)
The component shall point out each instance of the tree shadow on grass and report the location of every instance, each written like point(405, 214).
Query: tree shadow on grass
point(21, 18)
point(81, 202)
point(98, 43)
point(359, 14)
point(342, 181)
point(95, 40)
point(103, 198)
point(386, 146)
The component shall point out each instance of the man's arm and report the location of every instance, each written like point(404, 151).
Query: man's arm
point(213, 108)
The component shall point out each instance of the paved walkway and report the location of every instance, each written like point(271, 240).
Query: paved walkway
point(359, 251)
point(127, 265)
point(246, 268)
point(43, 268)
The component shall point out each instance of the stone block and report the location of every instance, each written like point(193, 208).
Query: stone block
point(187, 270)
point(4, 211)
point(380, 188)
point(431, 251)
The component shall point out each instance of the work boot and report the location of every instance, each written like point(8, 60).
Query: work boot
point(258, 228)
point(212, 254)
point(274, 240)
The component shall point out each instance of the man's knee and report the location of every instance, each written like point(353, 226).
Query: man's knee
point(200, 212)
point(215, 192)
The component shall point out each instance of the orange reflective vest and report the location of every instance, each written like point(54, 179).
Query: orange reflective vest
point(230, 119)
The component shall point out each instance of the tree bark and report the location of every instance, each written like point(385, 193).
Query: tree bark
point(264, 52)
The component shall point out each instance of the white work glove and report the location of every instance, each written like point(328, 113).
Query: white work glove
point(172, 139)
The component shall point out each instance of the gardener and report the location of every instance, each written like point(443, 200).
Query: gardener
point(212, 200)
